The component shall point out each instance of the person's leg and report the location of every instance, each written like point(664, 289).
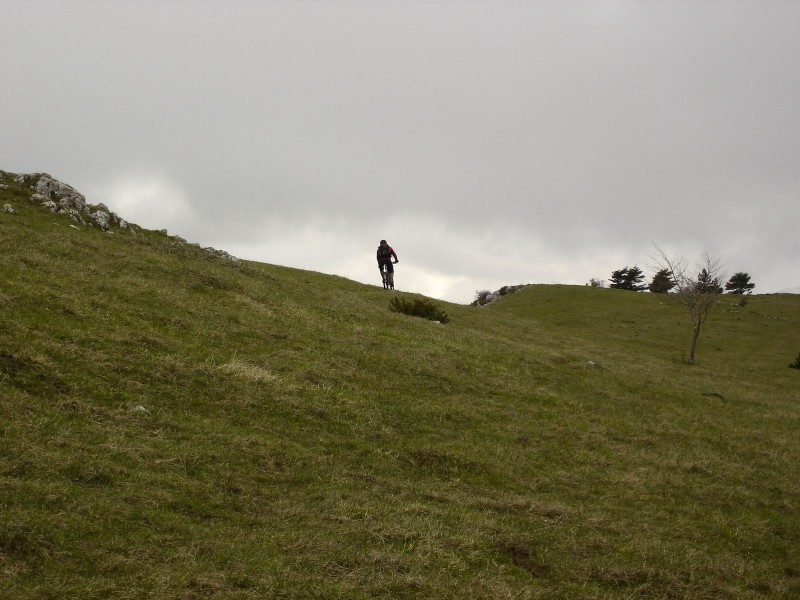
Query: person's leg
point(390, 274)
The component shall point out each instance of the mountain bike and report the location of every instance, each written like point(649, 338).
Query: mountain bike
point(387, 276)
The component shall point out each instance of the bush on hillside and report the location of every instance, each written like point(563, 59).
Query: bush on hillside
point(796, 363)
point(481, 298)
point(419, 308)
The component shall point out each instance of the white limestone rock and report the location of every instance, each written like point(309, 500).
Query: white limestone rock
point(102, 219)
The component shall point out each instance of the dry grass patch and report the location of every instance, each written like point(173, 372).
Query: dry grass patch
point(248, 371)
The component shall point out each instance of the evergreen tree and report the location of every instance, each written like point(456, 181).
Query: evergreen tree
point(739, 284)
point(618, 278)
point(636, 278)
point(628, 279)
point(662, 282)
point(707, 284)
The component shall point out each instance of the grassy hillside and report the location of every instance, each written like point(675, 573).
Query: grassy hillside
point(177, 425)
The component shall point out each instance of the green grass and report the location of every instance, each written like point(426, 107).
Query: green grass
point(303, 440)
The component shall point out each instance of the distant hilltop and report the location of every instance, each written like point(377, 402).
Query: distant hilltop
point(46, 192)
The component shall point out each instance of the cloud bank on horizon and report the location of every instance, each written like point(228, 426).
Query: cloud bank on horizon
point(491, 142)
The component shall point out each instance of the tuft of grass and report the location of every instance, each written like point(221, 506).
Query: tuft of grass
point(299, 440)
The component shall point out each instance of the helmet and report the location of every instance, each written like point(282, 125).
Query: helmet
point(383, 241)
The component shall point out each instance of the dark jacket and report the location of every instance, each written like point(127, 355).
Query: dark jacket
point(384, 256)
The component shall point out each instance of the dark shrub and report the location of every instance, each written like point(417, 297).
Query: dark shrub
point(419, 308)
point(796, 363)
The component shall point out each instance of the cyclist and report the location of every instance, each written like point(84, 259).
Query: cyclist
point(386, 264)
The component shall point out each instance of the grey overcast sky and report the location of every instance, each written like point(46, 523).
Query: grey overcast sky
point(490, 142)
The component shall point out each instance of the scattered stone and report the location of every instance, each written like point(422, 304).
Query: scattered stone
point(3, 186)
point(595, 365)
point(74, 215)
point(139, 409)
point(50, 205)
point(7, 208)
point(224, 254)
point(75, 227)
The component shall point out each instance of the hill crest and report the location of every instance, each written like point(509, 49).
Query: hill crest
point(47, 193)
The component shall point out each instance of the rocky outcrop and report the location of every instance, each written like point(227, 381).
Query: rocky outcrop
point(59, 198)
point(50, 188)
point(486, 297)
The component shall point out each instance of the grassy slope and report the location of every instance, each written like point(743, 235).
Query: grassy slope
point(303, 441)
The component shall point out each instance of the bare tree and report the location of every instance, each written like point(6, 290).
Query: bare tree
point(596, 283)
point(697, 291)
